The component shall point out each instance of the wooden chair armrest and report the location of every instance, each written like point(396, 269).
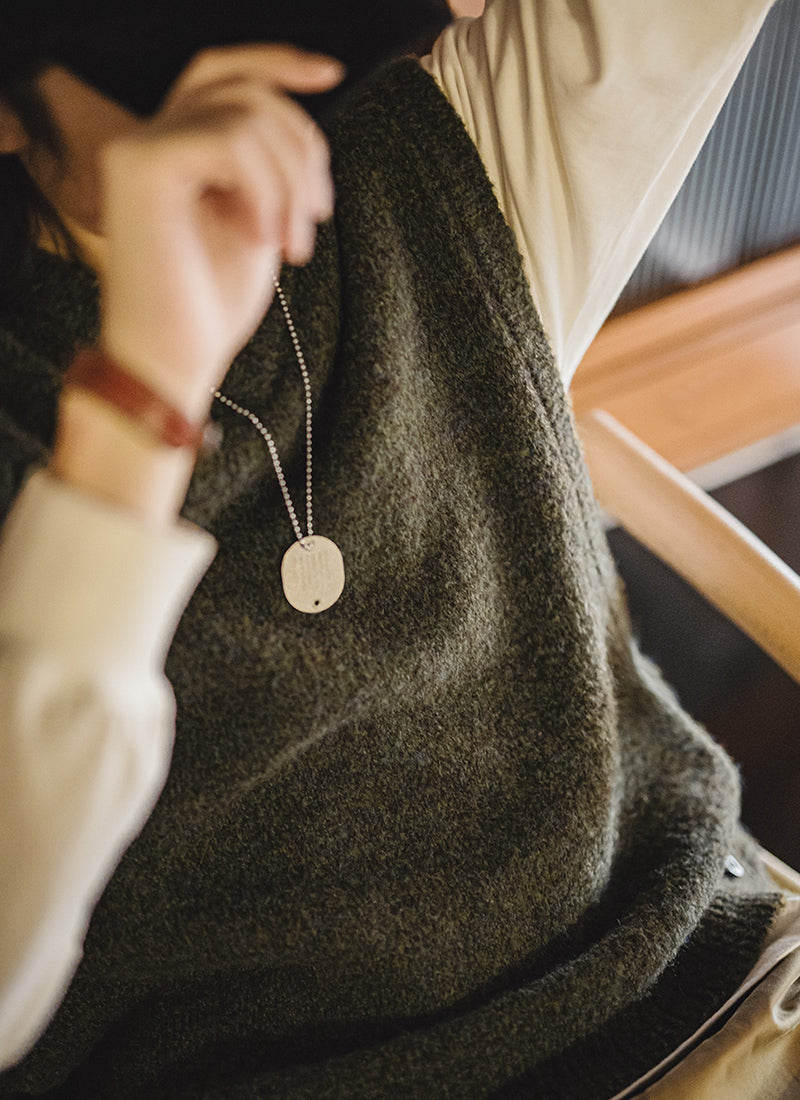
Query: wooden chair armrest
point(694, 535)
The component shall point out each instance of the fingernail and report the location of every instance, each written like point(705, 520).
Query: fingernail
point(334, 69)
point(326, 199)
point(302, 241)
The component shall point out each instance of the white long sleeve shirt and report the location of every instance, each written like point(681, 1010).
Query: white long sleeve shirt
point(587, 115)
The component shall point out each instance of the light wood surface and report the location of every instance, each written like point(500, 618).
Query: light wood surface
point(702, 542)
point(705, 372)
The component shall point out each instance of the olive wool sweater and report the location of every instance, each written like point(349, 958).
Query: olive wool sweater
point(454, 837)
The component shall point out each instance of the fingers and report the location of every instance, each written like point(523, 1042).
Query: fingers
point(280, 66)
point(250, 155)
point(205, 199)
point(263, 176)
point(238, 94)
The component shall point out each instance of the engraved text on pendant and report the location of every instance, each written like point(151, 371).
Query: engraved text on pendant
point(312, 572)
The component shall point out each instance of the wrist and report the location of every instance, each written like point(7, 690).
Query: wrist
point(93, 369)
point(186, 387)
point(100, 451)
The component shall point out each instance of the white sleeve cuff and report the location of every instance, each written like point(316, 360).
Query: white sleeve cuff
point(81, 577)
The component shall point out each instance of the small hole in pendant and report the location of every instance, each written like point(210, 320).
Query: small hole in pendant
point(316, 603)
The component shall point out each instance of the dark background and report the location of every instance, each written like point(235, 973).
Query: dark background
point(750, 705)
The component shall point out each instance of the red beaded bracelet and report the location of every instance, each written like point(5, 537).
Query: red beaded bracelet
point(92, 369)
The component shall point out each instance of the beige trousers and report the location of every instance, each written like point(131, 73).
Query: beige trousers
point(750, 1049)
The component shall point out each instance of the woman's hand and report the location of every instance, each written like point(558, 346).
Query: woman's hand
point(199, 207)
point(201, 204)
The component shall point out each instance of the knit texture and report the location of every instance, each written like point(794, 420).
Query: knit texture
point(454, 837)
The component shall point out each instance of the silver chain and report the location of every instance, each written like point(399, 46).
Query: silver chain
point(264, 432)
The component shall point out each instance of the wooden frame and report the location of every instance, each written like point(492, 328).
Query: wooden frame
point(699, 539)
point(704, 372)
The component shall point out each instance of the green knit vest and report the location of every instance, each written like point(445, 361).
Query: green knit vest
point(454, 837)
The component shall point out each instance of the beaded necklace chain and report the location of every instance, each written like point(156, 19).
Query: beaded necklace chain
point(312, 569)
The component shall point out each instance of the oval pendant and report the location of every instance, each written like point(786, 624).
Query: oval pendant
point(312, 574)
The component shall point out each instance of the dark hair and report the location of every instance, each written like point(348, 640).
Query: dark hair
point(105, 48)
point(24, 210)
